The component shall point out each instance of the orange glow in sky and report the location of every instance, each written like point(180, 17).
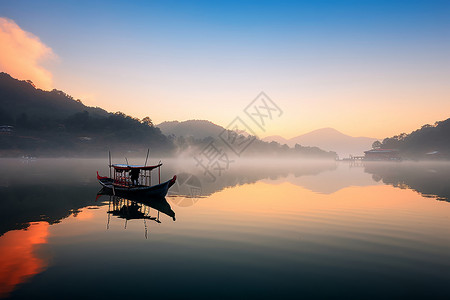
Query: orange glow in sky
point(22, 53)
point(373, 70)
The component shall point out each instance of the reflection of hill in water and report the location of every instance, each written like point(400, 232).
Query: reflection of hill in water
point(38, 191)
point(331, 180)
point(32, 203)
point(194, 184)
point(428, 178)
point(323, 177)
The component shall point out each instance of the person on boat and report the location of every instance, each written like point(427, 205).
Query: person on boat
point(134, 175)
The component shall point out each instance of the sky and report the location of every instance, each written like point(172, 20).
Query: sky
point(365, 68)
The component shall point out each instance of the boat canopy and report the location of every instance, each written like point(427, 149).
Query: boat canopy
point(123, 167)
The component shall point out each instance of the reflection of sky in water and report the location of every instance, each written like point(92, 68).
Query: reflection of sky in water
point(329, 181)
point(18, 260)
point(330, 231)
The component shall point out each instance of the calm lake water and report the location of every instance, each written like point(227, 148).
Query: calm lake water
point(261, 230)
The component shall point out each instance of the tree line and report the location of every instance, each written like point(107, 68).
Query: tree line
point(428, 141)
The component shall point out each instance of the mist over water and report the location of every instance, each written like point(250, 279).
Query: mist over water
point(264, 228)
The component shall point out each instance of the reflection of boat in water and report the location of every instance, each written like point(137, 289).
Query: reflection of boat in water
point(135, 206)
point(135, 179)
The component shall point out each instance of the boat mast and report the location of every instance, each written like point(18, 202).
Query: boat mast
point(159, 172)
point(148, 151)
point(145, 175)
point(110, 175)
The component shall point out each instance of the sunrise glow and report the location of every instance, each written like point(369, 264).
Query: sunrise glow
point(334, 65)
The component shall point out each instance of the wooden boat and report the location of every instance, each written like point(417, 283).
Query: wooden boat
point(135, 179)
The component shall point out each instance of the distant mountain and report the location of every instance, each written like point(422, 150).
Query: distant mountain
point(331, 140)
point(198, 129)
point(202, 131)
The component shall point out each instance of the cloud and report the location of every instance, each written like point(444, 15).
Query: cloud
point(21, 52)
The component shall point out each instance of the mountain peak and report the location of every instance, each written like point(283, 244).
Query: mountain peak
point(325, 132)
point(198, 129)
point(329, 139)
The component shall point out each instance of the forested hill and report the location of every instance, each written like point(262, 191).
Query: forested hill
point(53, 123)
point(430, 141)
point(21, 97)
point(198, 129)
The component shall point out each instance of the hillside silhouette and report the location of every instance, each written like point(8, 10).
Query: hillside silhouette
point(53, 123)
point(198, 129)
point(428, 142)
point(21, 97)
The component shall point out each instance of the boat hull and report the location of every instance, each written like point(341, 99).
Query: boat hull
point(159, 190)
